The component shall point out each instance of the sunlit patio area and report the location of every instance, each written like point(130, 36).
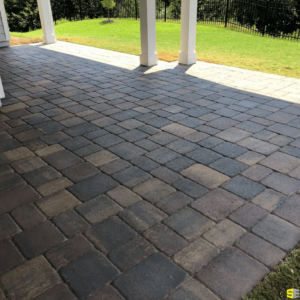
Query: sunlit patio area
point(119, 181)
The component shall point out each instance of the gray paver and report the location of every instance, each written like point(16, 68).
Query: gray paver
point(189, 223)
point(228, 282)
point(278, 232)
point(163, 273)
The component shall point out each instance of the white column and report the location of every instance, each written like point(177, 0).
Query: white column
point(47, 21)
point(187, 54)
point(148, 55)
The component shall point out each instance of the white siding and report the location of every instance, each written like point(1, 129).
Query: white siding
point(4, 30)
point(2, 34)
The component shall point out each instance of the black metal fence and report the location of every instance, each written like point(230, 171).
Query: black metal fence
point(261, 17)
point(276, 18)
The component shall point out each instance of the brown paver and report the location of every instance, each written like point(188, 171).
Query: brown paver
point(153, 190)
point(124, 196)
point(178, 129)
point(98, 209)
point(54, 186)
point(15, 154)
point(258, 146)
point(250, 158)
point(195, 255)
point(28, 164)
point(142, 215)
point(233, 134)
point(269, 200)
point(157, 155)
point(281, 162)
point(205, 176)
point(60, 291)
point(58, 203)
point(30, 279)
point(80, 172)
point(49, 150)
point(224, 234)
point(101, 158)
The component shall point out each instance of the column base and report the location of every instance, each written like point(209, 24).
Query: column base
point(148, 60)
point(49, 40)
point(4, 44)
point(187, 58)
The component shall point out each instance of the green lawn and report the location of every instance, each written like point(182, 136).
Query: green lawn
point(214, 44)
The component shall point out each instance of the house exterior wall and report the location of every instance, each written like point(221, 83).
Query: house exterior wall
point(4, 30)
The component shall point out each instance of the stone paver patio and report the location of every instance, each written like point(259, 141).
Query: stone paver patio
point(124, 182)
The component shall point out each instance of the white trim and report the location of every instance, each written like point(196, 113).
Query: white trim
point(4, 20)
point(2, 95)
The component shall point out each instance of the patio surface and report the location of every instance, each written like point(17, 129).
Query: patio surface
point(124, 182)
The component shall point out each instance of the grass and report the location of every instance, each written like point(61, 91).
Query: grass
point(284, 276)
point(214, 44)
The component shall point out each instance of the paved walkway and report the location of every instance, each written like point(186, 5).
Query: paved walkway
point(124, 182)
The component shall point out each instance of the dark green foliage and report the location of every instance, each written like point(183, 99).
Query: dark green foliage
point(281, 17)
point(277, 17)
point(22, 15)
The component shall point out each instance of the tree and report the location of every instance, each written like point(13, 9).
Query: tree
point(109, 4)
point(22, 15)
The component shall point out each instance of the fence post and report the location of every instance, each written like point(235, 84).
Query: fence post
point(226, 16)
point(266, 16)
point(80, 10)
point(136, 13)
point(165, 10)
